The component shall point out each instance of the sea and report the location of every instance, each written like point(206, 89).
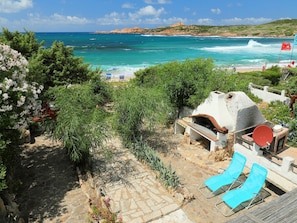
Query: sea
point(123, 54)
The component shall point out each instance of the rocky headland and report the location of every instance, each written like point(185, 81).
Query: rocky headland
point(280, 28)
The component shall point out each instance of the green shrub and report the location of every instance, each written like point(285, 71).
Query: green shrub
point(279, 114)
point(289, 32)
point(290, 85)
point(58, 66)
point(25, 43)
point(3, 145)
point(80, 123)
point(188, 83)
point(137, 108)
point(145, 153)
point(185, 83)
point(273, 74)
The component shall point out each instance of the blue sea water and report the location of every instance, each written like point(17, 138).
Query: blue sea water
point(126, 53)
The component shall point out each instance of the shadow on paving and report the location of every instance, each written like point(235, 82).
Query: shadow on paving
point(46, 175)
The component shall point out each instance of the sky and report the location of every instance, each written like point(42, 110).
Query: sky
point(107, 15)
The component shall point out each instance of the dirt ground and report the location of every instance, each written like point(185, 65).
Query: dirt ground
point(49, 189)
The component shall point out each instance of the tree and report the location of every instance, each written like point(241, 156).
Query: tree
point(186, 83)
point(26, 43)
point(54, 66)
point(58, 66)
point(80, 124)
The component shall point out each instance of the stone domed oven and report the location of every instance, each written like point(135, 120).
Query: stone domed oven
point(220, 115)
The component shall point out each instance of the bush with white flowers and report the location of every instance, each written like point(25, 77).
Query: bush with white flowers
point(18, 99)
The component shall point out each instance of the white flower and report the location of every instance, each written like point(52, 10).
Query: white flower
point(5, 108)
point(21, 101)
point(22, 96)
point(5, 96)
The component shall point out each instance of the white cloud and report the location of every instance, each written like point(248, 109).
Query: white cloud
point(238, 4)
point(63, 19)
point(147, 11)
point(161, 2)
point(205, 21)
point(11, 6)
point(145, 16)
point(54, 20)
point(174, 20)
point(216, 11)
point(113, 18)
point(242, 21)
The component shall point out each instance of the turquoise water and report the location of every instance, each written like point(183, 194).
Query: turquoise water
point(125, 53)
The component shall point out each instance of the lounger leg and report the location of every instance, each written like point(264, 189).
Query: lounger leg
point(217, 205)
point(251, 202)
point(203, 187)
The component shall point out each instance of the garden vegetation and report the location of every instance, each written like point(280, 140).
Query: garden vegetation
point(31, 75)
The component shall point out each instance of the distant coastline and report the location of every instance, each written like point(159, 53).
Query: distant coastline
point(123, 54)
point(277, 29)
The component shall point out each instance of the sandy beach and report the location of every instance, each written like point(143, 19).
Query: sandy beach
point(115, 76)
point(247, 69)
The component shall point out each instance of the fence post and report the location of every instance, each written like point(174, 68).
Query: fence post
point(283, 93)
point(286, 164)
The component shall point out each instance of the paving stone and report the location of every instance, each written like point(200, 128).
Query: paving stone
point(150, 203)
point(117, 195)
point(138, 188)
point(133, 204)
point(115, 205)
point(169, 208)
point(142, 198)
point(137, 214)
point(158, 207)
point(152, 216)
point(135, 220)
point(157, 198)
point(124, 204)
point(144, 207)
point(167, 198)
point(154, 190)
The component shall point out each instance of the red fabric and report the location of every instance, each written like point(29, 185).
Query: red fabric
point(286, 46)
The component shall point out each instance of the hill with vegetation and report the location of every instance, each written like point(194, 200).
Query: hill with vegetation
point(279, 28)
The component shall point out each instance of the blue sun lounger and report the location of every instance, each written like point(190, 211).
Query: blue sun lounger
point(213, 185)
point(247, 192)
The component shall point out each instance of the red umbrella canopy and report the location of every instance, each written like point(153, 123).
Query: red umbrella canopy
point(286, 46)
